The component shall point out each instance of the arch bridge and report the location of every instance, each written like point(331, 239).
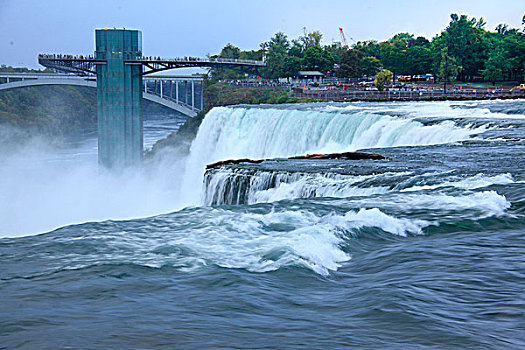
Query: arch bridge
point(180, 93)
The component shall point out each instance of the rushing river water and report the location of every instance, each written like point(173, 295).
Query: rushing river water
point(423, 250)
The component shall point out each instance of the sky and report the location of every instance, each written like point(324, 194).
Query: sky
point(199, 27)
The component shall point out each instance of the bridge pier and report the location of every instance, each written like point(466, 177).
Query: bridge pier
point(119, 66)
point(119, 88)
point(192, 95)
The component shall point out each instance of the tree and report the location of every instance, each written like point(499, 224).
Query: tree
point(419, 41)
point(463, 40)
point(505, 59)
point(448, 67)
point(383, 78)
point(369, 48)
point(370, 66)
point(292, 65)
point(312, 39)
point(252, 55)
point(230, 51)
point(349, 64)
point(393, 53)
point(296, 49)
point(495, 66)
point(419, 60)
point(276, 53)
point(316, 58)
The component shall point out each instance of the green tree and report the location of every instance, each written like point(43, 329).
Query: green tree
point(393, 53)
point(419, 60)
point(463, 39)
point(349, 64)
point(316, 58)
point(419, 41)
point(448, 67)
point(292, 65)
point(505, 54)
point(383, 78)
point(296, 49)
point(312, 39)
point(369, 48)
point(276, 53)
point(370, 66)
point(252, 55)
point(230, 51)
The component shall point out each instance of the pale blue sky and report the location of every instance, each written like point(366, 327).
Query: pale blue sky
point(195, 28)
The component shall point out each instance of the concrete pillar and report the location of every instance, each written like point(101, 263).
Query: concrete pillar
point(193, 95)
point(119, 89)
point(202, 95)
point(185, 91)
point(177, 90)
point(161, 83)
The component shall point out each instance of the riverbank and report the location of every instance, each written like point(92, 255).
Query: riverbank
point(49, 110)
point(56, 110)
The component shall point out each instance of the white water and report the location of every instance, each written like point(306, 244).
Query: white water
point(42, 188)
point(228, 133)
point(244, 239)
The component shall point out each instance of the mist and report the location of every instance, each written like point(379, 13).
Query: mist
point(46, 184)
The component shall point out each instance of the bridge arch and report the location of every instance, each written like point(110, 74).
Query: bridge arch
point(179, 107)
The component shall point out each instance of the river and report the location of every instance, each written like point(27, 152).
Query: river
point(422, 250)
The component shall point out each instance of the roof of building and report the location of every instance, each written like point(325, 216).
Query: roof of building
point(310, 73)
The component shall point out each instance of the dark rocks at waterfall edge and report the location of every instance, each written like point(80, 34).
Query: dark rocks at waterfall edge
point(343, 155)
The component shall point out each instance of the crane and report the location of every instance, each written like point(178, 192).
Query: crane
point(343, 38)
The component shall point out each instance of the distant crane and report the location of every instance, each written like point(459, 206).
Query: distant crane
point(343, 38)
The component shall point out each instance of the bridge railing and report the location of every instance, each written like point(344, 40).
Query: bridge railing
point(53, 56)
point(185, 59)
point(199, 59)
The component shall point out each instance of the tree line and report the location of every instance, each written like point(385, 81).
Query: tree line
point(465, 50)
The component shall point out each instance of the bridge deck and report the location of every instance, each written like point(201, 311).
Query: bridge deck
point(86, 64)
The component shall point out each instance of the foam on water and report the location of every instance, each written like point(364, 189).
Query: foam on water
point(472, 182)
point(438, 109)
point(240, 186)
point(228, 133)
point(229, 238)
point(471, 205)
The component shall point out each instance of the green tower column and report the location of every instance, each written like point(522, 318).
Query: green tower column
point(119, 87)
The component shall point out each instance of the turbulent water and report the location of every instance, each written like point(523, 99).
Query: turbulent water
point(422, 250)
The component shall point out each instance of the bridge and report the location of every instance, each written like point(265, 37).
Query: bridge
point(120, 70)
point(180, 93)
point(86, 65)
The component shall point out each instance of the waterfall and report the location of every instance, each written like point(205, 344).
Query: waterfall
point(283, 131)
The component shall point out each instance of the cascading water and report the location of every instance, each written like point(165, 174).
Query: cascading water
point(255, 132)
